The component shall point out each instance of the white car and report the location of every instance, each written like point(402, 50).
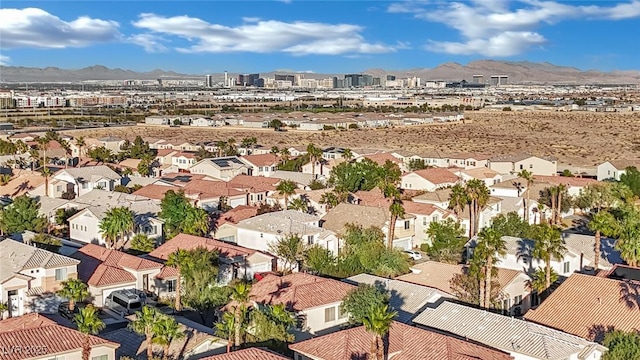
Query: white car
point(413, 254)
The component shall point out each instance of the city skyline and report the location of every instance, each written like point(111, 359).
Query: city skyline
point(309, 36)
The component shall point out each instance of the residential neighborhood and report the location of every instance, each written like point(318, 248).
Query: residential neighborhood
point(145, 249)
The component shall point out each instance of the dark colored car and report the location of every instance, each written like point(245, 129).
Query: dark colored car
point(63, 309)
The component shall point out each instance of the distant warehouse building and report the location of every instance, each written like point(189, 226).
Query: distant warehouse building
point(156, 120)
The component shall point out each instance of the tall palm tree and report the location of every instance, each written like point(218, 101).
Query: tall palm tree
point(396, 210)
point(232, 149)
point(67, 152)
point(74, 290)
point(477, 198)
point(548, 245)
point(241, 295)
point(88, 323)
point(43, 143)
point(221, 147)
point(347, 154)
point(561, 189)
point(628, 233)
point(377, 322)
point(144, 325)
point(601, 223)
point(299, 204)
point(80, 143)
point(118, 223)
point(165, 330)
point(458, 199)
point(46, 172)
point(528, 177)
point(179, 260)
point(315, 154)
point(275, 150)
point(286, 188)
point(226, 328)
point(330, 199)
point(285, 154)
point(492, 247)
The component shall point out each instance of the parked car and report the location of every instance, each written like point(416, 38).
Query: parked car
point(63, 309)
point(415, 255)
point(124, 302)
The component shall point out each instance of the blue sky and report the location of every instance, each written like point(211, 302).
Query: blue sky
point(199, 37)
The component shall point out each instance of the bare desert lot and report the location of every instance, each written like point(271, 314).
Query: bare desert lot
point(575, 138)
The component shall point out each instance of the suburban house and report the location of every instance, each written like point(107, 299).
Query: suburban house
point(406, 298)
point(111, 143)
point(337, 219)
point(262, 231)
point(612, 169)
point(521, 339)
point(236, 262)
point(79, 181)
point(183, 160)
point(252, 353)
point(602, 304)
point(29, 277)
point(468, 161)
point(515, 295)
point(261, 165)
point(316, 301)
point(381, 158)
point(223, 168)
point(322, 167)
point(486, 175)
point(583, 247)
point(332, 153)
point(404, 342)
point(226, 229)
point(210, 195)
point(36, 337)
point(425, 214)
point(105, 271)
point(513, 164)
point(429, 179)
point(84, 226)
point(203, 121)
point(257, 188)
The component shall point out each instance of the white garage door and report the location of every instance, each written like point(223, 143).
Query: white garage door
point(404, 244)
point(258, 268)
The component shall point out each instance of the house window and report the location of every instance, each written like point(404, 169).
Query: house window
point(505, 305)
point(530, 166)
point(521, 167)
point(341, 313)
point(101, 357)
point(424, 220)
point(310, 240)
point(61, 274)
point(85, 185)
point(261, 235)
point(59, 188)
point(171, 286)
point(534, 298)
point(436, 218)
point(259, 197)
point(567, 267)
point(517, 300)
point(406, 225)
point(329, 314)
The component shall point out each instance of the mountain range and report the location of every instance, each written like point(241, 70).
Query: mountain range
point(523, 72)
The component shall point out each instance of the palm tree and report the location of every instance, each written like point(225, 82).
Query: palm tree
point(88, 323)
point(286, 188)
point(601, 223)
point(377, 322)
point(553, 191)
point(165, 330)
point(221, 146)
point(143, 325)
point(4, 179)
point(285, 154)
point(330, 199)
point(477, 198)
point(548, 245)
point(179, 260)
point(231, 147)
point(458, 199)
point(492, 247)
point(241, 295)
point(67, 150)
point(299, 204)
point(117, 223)
point(43, 142)
point(528, 176)
point(396, 210)
point(561, 189)
point(627, 230)
point(74, 290)
point(538, 280)
point(3, 308)
point(46, 172)
point(80, 143)
point(347, 154)
point(275, 150)
point(226, 328)
point(315, 154)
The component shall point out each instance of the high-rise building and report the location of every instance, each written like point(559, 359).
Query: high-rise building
point(391, 77)
point(279, 77)
point(226, 78)
point(497, 80)
point(241, 80)
point(208, 81)
point(478, 79)
point(367, 80)
point(376, 81)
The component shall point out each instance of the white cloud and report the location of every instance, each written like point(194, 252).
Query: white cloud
point(4, 60)
point(263, 36)
point(151, 43)
point(502, 27)
point(36, 28)
point(250, 19)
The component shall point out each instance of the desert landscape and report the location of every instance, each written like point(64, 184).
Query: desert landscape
point(575, 138)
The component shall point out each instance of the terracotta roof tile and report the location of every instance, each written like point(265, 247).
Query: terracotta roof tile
point(190, 242)
point(248, 354)
point(299, 291)
point(404, 342)
point(381, 158)
point(565, 180)
point(588, 305)
point(237, 214)
point(210, 189)
point(437, 176)
point(261, 160)
point(154, 191)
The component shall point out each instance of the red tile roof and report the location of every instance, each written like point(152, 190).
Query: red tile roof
point(154, 191)
point(299, 291)
point(262, 159)
point(186, 154)
point(404, 342)
point(237, 214)
point(372, 198)
point(164, 152)
point(190, 242)
point(411, 207)
point(255, 183)
point(565, 180)
point(437, 175)
point(381, 158)
point(33, 335)
point(101, 267)
point(248, 354)
point(585, 305)
point(210, 189)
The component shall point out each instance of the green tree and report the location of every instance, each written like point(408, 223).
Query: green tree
point(347, 154)
point(286, 188)
point(538, 280)
point(631, 178)
point(165, 331)
point(73, 290)
point(548, 245)
point(275, 124)
point(416, 164)
point(300, 204)
point(490, 248)
point(4, 179)
point(510, 224)
point(62, 215)
point(180, 260)
point(315, 154)
point(144, 324)
point(100, 154)
point(458, 199)
point(447, 241)
point(88, 323)
point(622, 345)
point(271, 324)
point(601, 223)
point(182, 217)
point(527, 176)
point(627, 232)
point(319, 259)
point(225, 328)
point(396, 210)
point(478, 198)
point(316, 185)
point(358, 301)
point(22, 215)
point(290, 249)
point(142, 243)
point(200, 278)
point(241, 294)
point(378, 322)
point(331, 199)
point(117, 223)
point(80, 143)
point(140, 149)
